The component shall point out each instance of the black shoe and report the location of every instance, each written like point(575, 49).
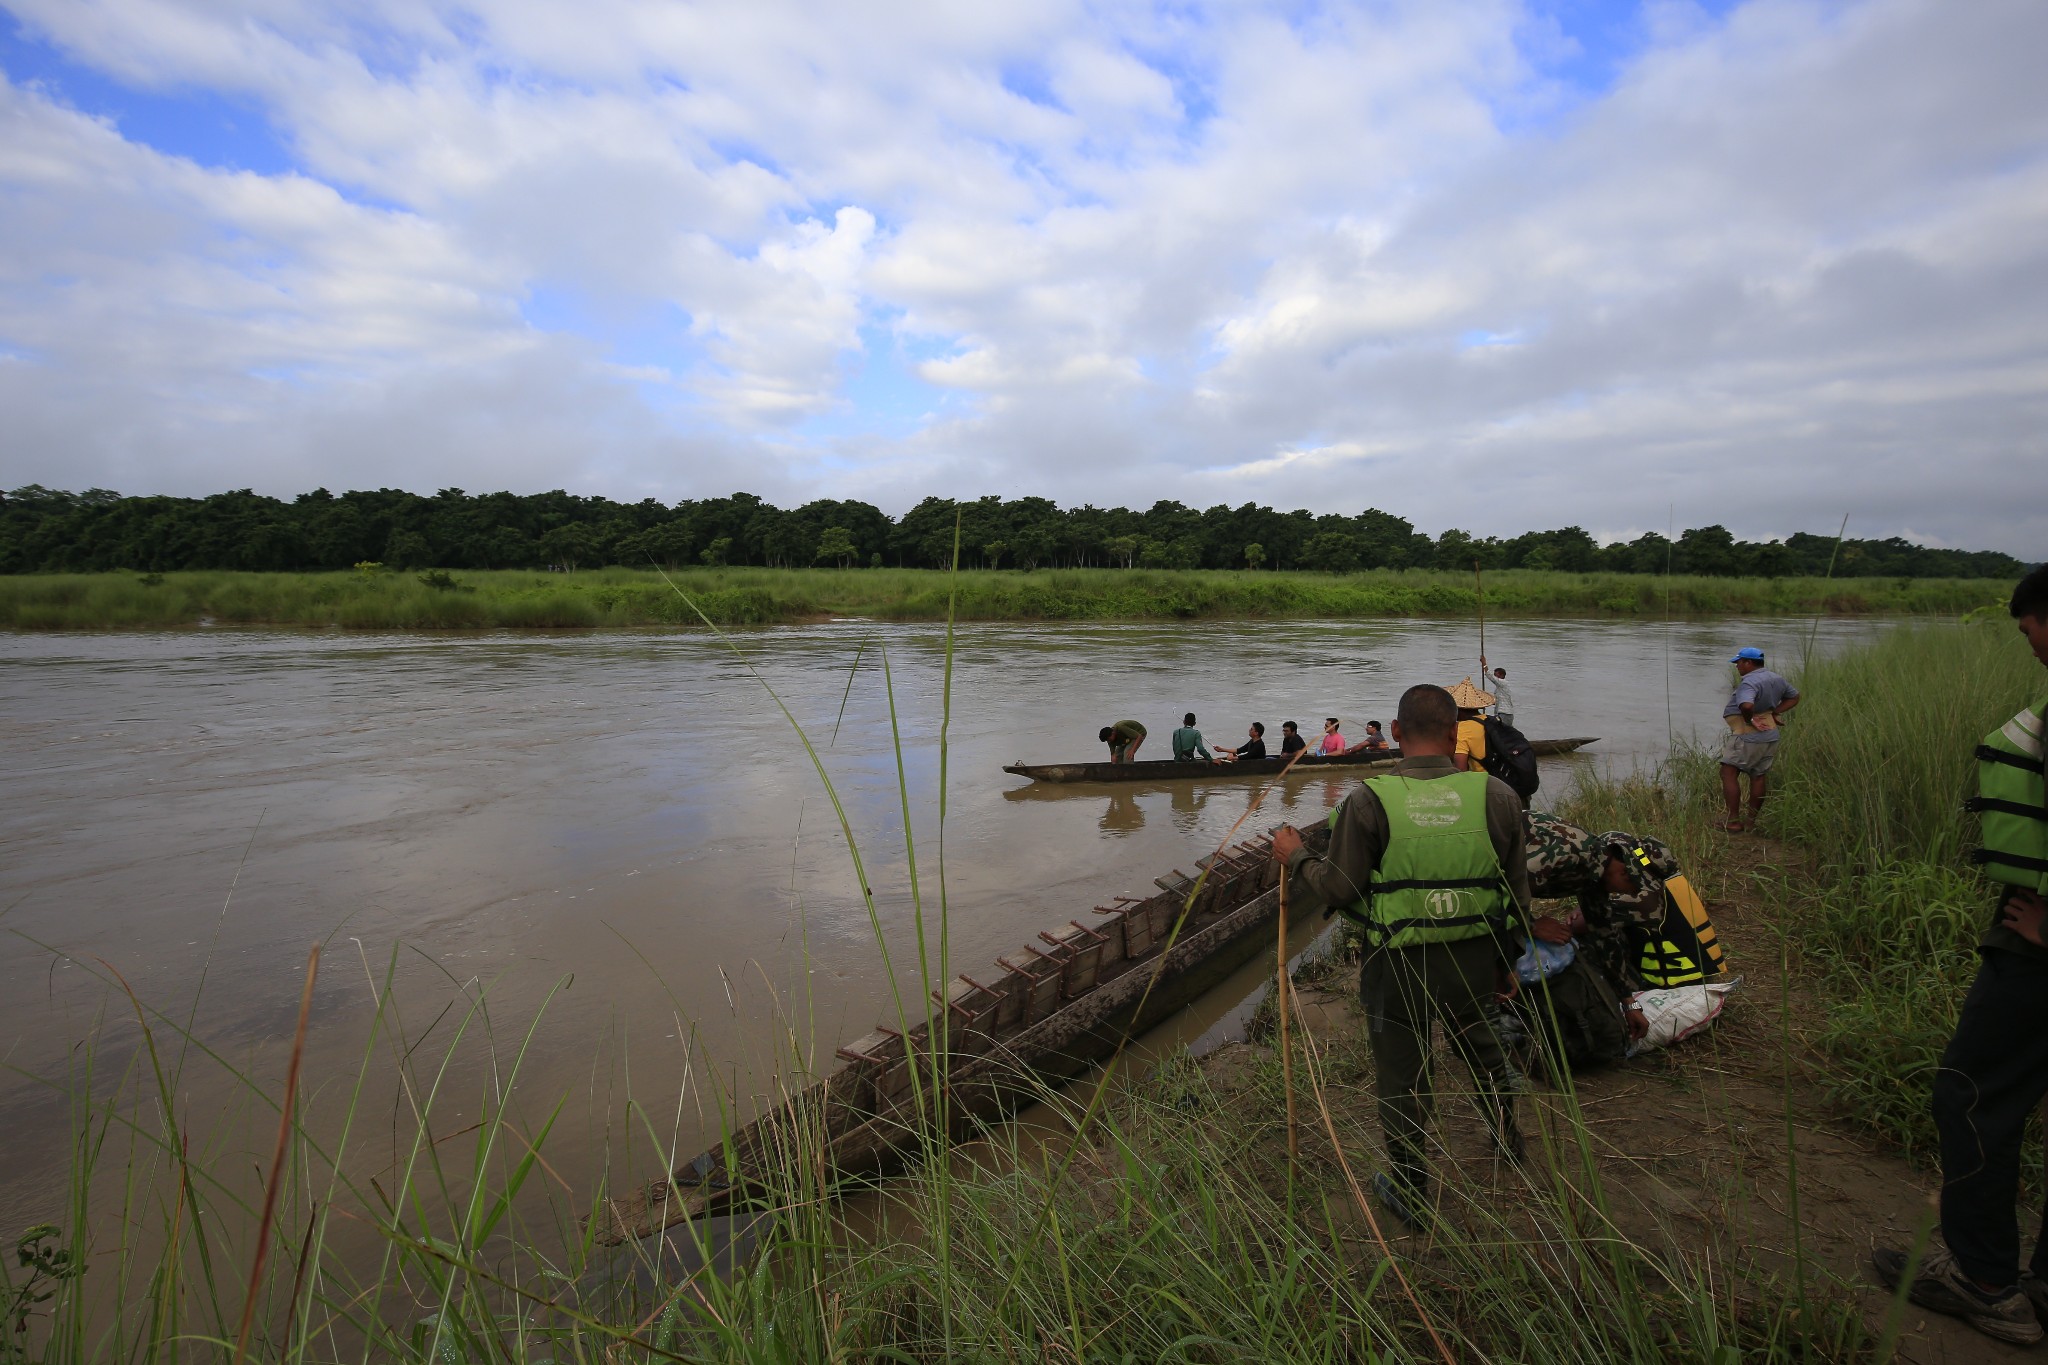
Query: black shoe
point(1940, 1285)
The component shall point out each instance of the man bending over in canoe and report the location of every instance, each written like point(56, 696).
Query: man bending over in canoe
point(1187, 742)
point(1255, 747)
point(1123, 739)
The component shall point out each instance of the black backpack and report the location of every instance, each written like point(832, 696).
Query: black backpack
point(1587, 1031)
point(1509, 757)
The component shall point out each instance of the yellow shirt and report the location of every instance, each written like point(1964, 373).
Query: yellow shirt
point(1472, 741)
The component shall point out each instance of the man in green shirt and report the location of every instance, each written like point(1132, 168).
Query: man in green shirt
point(1187, 741)
point(1123, 739)
point(1431, 860)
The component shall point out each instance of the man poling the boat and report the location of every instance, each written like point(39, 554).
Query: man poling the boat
point(1430, 861)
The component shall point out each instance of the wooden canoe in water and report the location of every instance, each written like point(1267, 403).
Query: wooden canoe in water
point(1166, 769)
point(1044, 1014)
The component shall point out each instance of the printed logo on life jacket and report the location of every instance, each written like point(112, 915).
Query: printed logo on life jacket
point(2023, 732)
point(1443, 903)
point(1434, 805)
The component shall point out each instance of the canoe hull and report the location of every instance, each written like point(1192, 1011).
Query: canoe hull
point(1166, 770)
point(1044, 1018)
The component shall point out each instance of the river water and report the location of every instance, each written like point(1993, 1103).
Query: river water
point(623, 835)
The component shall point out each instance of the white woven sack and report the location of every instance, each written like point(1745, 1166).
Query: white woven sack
point(1679, 1012)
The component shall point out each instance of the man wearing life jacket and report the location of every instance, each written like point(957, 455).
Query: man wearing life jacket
point(1429, 860)
point(1995, 1070)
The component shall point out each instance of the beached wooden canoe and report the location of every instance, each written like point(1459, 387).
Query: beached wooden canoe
point(1045, 1013)
point(1165, 769)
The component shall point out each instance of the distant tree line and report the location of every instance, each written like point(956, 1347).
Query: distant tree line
point(45, 530)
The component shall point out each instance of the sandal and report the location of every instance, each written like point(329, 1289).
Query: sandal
point(1730, 826)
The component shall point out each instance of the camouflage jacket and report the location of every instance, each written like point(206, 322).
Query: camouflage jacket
point(1566, 862)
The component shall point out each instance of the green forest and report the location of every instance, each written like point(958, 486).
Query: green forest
point(45, 530)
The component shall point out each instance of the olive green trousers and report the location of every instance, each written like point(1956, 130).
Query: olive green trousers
point(1405, 992)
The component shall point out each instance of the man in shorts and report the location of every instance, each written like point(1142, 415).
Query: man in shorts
point(1752, 712)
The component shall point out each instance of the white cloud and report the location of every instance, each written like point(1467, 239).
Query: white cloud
point(1790, 264)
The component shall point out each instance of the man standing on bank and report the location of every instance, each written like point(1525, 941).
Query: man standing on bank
point(1752, 712)
point(1995, 1070)
point(1430, 861)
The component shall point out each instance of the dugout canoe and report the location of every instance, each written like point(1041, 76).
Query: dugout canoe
point(1045, 1013)
point(1166, 769)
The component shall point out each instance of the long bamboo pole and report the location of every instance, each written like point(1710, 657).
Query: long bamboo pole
point(1481, 584)
point(1280, 992)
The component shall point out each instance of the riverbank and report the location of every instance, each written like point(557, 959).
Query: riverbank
point(519, 600)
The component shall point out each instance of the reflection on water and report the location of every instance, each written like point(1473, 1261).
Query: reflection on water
point(629, 814)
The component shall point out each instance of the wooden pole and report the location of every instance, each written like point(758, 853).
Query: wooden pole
point(1280, 988)
point(1481, 583)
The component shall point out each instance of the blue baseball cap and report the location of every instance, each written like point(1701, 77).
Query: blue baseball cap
point(1751, 653)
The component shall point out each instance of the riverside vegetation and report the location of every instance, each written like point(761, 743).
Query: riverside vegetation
point(1171, 1230)
point(44, 530)
point(376, 599)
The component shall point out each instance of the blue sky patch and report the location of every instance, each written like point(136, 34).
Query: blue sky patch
point(203, 126)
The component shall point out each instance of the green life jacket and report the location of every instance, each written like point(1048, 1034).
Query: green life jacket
point(2009, 794)
point(1439, 880)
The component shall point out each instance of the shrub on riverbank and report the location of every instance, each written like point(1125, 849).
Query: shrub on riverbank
point(510, 600)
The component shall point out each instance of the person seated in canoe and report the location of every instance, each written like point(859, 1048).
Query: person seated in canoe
point(1123, 739)
point(1187, 742)
point(1254, 747)
point(1333, 738)
point(1290, 738)
point(1375, 738)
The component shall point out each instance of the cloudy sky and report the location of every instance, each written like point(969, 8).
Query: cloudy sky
point(1482, 263)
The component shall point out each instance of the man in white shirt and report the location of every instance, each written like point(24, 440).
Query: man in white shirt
point(1503, 700)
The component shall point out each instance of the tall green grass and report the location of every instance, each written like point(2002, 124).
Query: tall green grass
point(740, 597)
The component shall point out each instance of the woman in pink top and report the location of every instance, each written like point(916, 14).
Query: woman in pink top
point(1333, 742)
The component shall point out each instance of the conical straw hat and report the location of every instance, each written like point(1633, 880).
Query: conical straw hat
point(1470, 698)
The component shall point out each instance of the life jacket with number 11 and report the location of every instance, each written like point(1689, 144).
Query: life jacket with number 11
point(1439, 880)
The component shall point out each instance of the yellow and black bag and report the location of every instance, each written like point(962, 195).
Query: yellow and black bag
point(1684, 950)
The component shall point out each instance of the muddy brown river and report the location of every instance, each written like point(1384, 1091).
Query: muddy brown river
point(621, 835)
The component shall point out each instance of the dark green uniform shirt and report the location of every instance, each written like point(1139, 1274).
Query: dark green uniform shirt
point(1340, 876)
